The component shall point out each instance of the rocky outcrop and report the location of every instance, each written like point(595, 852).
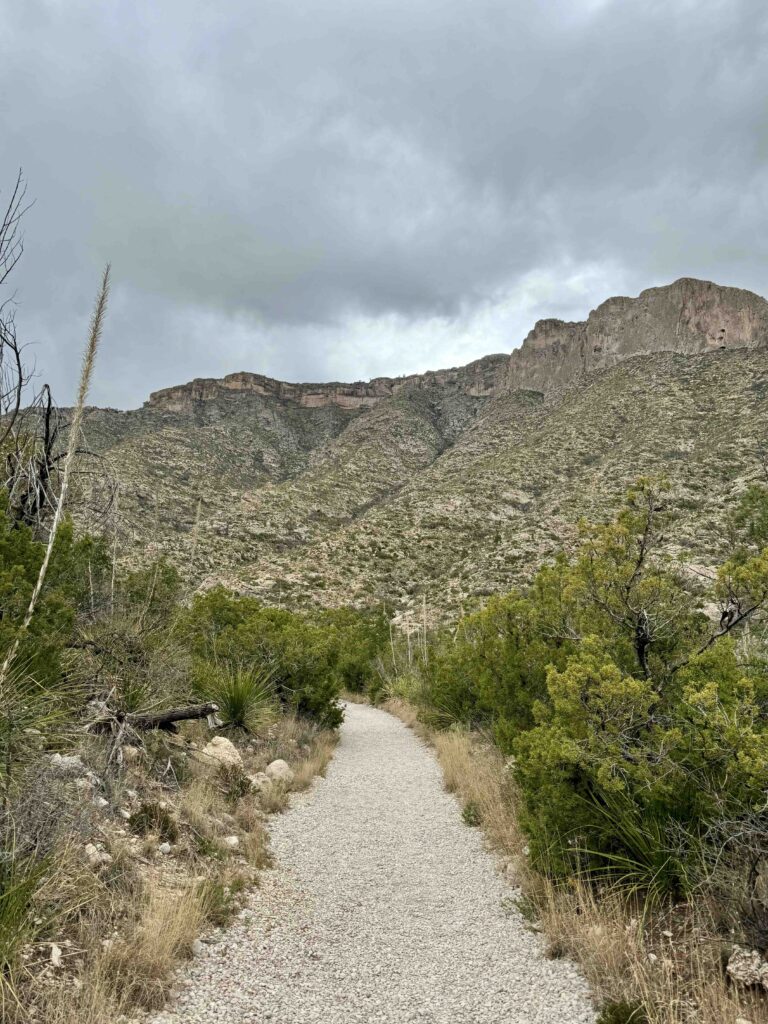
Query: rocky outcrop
point(689, 317)
point(479, 379)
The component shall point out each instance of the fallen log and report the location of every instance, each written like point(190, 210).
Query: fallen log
point(144, 721)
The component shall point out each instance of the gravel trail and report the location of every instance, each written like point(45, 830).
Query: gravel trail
point(383, 908)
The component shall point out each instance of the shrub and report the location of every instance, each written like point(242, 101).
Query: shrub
point(20, 879)
point(471, 814)
point(245, 696)
point(622, 1013)
point(636, 722)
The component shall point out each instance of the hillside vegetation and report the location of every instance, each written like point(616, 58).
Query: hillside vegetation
point(447, 487)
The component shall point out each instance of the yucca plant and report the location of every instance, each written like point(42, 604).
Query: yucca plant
point(642, 850)
point(245, 695)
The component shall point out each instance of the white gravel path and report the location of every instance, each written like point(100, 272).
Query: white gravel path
point(383, 907)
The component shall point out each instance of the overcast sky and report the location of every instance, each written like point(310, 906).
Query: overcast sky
point(339, 189)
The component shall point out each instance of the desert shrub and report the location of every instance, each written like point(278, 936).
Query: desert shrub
point(357, 638)
point(152, 593)
point(623, 779)
point(492, 670)
point(470, 814)
point(66, 592)
point(622, 1012)
point(245, 696)
point(20, 880)
point(636, 721)
point(220, 900)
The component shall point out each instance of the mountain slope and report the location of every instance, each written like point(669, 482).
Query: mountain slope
point(450, 485)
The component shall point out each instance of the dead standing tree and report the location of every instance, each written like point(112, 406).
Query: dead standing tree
point(33, 436)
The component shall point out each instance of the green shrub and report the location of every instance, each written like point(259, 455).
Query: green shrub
point(245, 696)
point(220, 901)
point(622, 1012)
point(471, 814)
point(20, 879)
point(637, 723)
point(623, 780)
point(298, 655)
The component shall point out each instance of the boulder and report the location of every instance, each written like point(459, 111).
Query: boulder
point(221, 752)
point(260, 782)
point(280, 771)
point(745, 966)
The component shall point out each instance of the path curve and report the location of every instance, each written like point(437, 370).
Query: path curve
point(383, 908)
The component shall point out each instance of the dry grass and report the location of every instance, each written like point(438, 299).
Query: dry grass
point(141, 963)
point(355, 698)
point(133, 971)
point(406, 712)
point(315, 761)
point(678, 979)
point(136, 921)
point(305, 747)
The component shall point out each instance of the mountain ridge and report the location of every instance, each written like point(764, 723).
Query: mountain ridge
point(700, 315)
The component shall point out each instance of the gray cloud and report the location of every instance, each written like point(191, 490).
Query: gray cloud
point(335, 189)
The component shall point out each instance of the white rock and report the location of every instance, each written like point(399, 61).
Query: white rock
point(97, 858)
point(280, 771)
point(67, 764)
point(231, 841)
point(220, 751)
point(744, 966)
point(164, 847)
point(55, 955)
point(100, 802)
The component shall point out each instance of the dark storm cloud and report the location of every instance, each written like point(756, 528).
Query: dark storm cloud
point(337, 189)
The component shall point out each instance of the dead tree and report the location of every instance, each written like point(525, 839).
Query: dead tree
point(34, 440)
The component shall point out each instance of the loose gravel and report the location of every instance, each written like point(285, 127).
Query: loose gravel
point(383, 907)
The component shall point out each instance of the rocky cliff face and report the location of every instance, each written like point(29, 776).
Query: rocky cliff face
point(479, 379)
point(689, 317)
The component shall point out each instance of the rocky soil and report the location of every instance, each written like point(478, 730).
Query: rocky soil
point(383, 907)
